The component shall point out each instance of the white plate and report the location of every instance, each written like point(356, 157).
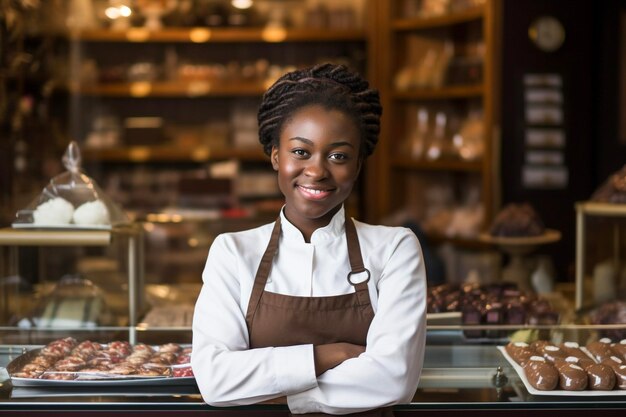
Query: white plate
point(560, 392)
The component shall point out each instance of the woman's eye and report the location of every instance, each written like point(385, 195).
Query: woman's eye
point(299, 152)
point(338, 156)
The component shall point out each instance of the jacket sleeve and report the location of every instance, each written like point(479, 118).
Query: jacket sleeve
point(388, 371)
point(226, 370)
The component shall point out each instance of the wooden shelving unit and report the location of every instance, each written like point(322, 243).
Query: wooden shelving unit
point(204, 83)
point(443, 93)
point(170, 154)
point(398, 33)
point(195, 88)
point(206, 35)
point(453, 18)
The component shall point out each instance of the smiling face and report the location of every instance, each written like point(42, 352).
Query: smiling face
point(317, 162)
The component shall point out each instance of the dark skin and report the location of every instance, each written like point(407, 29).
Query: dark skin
point(318, 161)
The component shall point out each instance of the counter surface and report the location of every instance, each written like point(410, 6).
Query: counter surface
point(454, 378)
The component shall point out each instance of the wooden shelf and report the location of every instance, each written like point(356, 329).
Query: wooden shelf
point(169, 154)
point(416, 23)
point(440, 165)
point(198, 88)
point(443, 93)
point(594, 208)
point(403, 41)
point(225, 35)
point(54, 237)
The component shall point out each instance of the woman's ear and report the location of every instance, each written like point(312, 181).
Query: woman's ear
point(274, 158)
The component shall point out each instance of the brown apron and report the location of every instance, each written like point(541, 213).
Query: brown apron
point(285, 320)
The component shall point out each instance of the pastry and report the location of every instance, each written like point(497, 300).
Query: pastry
point(91, 213)
point(571, 376)
point(551, 352)
point(620, 370)
point(540, 374)
point(573, 349)
point(183, 372)
point(601, 349)
point(22, 374)
point(520, 352)
point(136, 360)
point(70, 364)
point(619, 349)
point(539, 344)
point(613, 190)
point(59, 348)
point(141, 347)
point(124, 369)
point(33, 368)
point(64, 359)
point(612, 312)
point(601, 377)
point(165, 358)
point(517, 220)
point(54, 212)
point(169, 347)
point(583, 363)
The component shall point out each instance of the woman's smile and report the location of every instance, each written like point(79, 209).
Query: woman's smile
point(313, 193)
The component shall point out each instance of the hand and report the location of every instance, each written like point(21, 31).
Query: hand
point(330, 355)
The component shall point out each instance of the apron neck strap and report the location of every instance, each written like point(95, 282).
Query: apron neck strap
point(354, 248)
point(262, 273)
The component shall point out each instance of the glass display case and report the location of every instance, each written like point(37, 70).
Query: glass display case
point(600, 254)
point(56, 282)
point(176, 249)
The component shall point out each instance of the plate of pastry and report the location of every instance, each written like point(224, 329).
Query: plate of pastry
point(568, 369)
point(67, 362)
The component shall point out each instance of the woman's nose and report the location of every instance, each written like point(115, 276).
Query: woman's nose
point(316, 168)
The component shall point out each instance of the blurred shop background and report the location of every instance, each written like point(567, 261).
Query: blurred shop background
point(486, 103)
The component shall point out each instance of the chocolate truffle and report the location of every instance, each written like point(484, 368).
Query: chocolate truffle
point(619, 349)
point(601, 349)
point(601, 377)
point(573, 349)
point(572, 377)
point(620, 370)
point(551, 352)
point(540, 374)
point(539, 344)
point(520, 352)
point(582, 362)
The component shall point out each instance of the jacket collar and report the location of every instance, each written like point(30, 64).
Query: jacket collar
point(332, 230)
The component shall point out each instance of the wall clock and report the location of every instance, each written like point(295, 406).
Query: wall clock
point(547, 33)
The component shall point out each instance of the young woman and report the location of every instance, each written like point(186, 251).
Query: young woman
point(317, 307)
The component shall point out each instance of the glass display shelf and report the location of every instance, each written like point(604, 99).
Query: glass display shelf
point(81, 282)
point(454, 378)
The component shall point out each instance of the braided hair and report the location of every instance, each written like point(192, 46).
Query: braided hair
point(332, 86)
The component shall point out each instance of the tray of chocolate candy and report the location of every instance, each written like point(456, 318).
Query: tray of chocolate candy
point(545, 368)
point(490, 304)
point(68, 362)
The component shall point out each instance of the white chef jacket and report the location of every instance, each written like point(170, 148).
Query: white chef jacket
point(229, 373)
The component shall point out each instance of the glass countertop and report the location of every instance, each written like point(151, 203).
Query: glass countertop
point(454, 377)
